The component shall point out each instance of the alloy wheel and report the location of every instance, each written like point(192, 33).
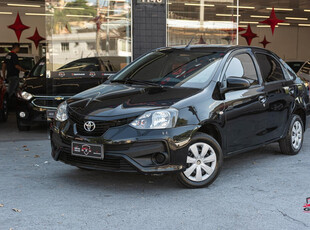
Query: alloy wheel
point(201, 162)
point(296, 136)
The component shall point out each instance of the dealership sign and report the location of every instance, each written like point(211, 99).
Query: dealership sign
point(151, 1)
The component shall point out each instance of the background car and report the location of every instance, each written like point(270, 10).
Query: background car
point(40, 94)
point(3, 101)
point(295, 65)
point(183, 110)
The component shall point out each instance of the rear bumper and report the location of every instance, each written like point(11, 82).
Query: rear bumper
point(133, 154)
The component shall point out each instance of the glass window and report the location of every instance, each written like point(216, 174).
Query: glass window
point(88, 35)
point(306, 68)
point(270, 69)
point(173, 67)
point(242, 66)
point(39, 69)
point(203, 22)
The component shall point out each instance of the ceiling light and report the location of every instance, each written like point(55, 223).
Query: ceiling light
point(244, 22)
point(259, 16)
point(38, 14)
point(243, 26)
point(307, 10)
point(6, 13)
point(264, 26)
point(69, 8)
point(283, 9)
point(303, 24)
point(228, 15)
point(284, 24)
point(23, 5)
point(198, 4)
point(241, 7)
point(79, 16)
point(301, 19)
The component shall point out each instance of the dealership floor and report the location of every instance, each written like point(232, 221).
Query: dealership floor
point(261, 189)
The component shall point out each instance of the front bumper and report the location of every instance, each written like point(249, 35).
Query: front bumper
point(125, 148)
point(34, 111)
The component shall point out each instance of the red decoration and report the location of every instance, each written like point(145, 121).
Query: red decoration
point(18, 27)
point(264, 42)
point(249, 35)
point(36, 38)
point(201, 40)
point(240, 29)
point(272, 20)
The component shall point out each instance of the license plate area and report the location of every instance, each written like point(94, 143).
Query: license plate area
point(94, 151)
point(51, 114)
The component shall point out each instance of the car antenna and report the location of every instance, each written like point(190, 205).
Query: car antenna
point(187, 47)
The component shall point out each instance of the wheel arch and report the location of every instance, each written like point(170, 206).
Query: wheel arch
point(302, 113)
point(212, 130)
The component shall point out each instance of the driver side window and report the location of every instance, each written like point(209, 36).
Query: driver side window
point(242, 66)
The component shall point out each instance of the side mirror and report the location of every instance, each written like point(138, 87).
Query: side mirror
point(237, 83)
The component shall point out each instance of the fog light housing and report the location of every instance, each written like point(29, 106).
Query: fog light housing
point(160, 158)
point(22, 114)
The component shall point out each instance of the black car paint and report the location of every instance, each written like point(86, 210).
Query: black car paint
point(239, 120)
point(49, 92)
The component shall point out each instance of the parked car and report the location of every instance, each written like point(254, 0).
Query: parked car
point(3, 101)
point(183, 110)
point(40, 95)
point(295, 65)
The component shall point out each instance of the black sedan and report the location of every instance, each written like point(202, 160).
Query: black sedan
point(183, 110)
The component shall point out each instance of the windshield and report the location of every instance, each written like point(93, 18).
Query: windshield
point(39, 69)
point(172, 67)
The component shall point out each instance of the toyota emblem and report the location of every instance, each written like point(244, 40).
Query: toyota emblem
point(89, 126)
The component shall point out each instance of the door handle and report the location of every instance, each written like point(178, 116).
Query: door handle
point(262, 99)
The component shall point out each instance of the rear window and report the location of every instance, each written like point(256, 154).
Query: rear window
point(270, 68)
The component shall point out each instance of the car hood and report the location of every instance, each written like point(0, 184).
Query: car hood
point(110, 100)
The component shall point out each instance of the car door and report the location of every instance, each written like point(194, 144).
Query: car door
point(245, 111)
point(279, 95)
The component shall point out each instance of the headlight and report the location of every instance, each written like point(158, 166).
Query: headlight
point(25, 95)
point(156, 119)
point(61, 114)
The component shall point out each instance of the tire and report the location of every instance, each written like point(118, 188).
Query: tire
point(292, 142)
point(22, 127)
point(195, 175)
point(4, 111)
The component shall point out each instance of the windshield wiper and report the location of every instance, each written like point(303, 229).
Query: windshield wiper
point(131, 81)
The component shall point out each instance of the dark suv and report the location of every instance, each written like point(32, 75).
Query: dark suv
point(183, 110)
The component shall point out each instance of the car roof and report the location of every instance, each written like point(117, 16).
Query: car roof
point(220, 48)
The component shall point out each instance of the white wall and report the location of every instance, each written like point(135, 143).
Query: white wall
point(8, 35)
point(290, 43)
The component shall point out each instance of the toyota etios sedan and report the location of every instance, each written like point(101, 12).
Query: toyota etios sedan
point(183, 110)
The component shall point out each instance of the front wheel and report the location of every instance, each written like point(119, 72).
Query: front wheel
point(203, 163)
point(292, 142)
point(21, 126)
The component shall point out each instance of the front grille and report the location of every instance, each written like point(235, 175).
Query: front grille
point(101, 126)
point(46, 103)
point(108, 163)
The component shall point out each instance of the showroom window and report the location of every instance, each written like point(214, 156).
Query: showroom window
point(203, 22)
point(80, 29)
